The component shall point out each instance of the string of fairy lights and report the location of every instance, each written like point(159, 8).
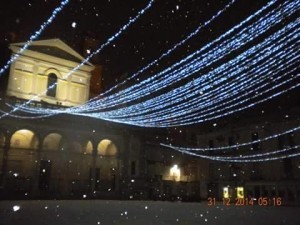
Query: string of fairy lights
point(250, 158)
point(204, 116)
point(158, 81)
point(235, 146)
point(130, 112)
point(182, 42)
point(164, 101)
point(281, 56)
point(253, 62)
point(177, 45)
point(146, 67)
point(289, 53)
point(122, 99)
point(232, 99)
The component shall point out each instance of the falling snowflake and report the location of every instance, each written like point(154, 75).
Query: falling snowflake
point(16, 208)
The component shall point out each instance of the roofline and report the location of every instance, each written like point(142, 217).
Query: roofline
point(56, 42)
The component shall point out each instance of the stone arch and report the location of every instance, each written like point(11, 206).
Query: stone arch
point(88, 148)
point(107, 165)
point(53, 71)
point(107, 148)
point(52, 141)
point(25, 139)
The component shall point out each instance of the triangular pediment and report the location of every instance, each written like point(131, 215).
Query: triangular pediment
point(53, 47)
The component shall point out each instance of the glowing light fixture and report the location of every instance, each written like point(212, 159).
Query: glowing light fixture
point(240, 192)
point(175, 173)
point(225, 192)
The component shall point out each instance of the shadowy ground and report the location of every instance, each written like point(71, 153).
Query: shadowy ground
point(95, 212)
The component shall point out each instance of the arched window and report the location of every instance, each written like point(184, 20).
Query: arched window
point(51, 86)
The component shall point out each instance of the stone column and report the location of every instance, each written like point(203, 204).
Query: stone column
point(5, 161)
point(64, 185)
point(93, 172)
point(36, 170)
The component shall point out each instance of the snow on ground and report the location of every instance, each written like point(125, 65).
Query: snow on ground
point(95, 212)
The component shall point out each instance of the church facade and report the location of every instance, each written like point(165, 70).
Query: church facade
point(44, 72)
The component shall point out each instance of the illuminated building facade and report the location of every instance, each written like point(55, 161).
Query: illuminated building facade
point(46, 65)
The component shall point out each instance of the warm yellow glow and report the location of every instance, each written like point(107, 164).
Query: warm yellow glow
point(240, 192)
point(107, 148)
point(225, 192)
point(29, 76)
point(25, 139)
point(89, 148)
point(175, 173)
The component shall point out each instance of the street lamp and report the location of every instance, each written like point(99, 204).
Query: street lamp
point(175, 173)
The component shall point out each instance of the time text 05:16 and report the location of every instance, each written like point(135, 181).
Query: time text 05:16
point(261, 201)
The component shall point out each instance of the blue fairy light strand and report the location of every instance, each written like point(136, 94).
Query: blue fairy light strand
point(164, 101)
point(244, 34)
